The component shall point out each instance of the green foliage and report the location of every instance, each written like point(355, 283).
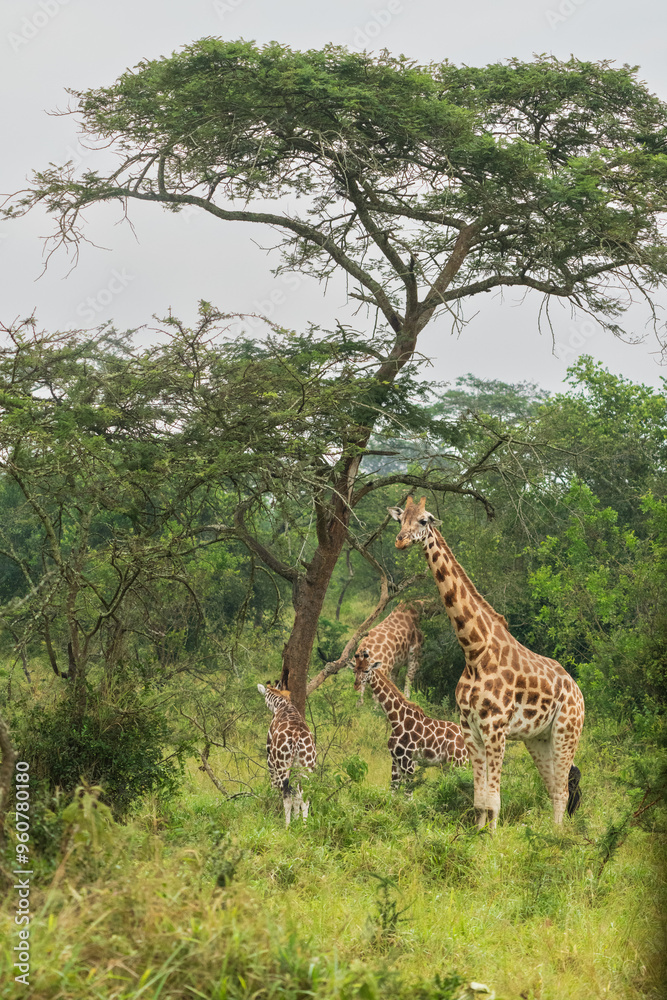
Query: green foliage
point(601, 590)
point(387, 915)
point(442, 661)
point(616, 433)
point(209, 895)
point(644, 779)
point(120, 747)
point(547, 175)
point(355, 768)
point(224, 858)
point(330, 638)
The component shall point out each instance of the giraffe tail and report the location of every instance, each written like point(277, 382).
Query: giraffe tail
point(574, 798)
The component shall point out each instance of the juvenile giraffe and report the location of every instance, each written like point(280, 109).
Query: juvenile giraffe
point(414, 737)
point(506, 691)
point(395, 641)
point(289, 744)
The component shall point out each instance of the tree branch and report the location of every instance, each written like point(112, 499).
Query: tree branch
point(282, 569)
point(425, 483)
point(299, 228)
point(464, 242)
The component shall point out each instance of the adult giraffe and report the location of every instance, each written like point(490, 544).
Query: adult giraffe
point(506, 691)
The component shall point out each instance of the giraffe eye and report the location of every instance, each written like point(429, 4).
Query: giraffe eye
point(423, 520)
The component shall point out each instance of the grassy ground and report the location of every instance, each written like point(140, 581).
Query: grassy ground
point(377, 896)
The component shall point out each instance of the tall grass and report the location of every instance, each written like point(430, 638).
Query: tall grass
point(377, 896)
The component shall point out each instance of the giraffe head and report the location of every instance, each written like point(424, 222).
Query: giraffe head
point(363, 665)
point(415, 522)
point(361, 661)
point(273, 696)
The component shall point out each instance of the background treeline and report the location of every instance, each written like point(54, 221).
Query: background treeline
point(132, 478)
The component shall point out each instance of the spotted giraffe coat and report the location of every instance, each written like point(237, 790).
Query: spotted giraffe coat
point(394, 641)
point(414, 736)
point(506, 692)
point(290, 749)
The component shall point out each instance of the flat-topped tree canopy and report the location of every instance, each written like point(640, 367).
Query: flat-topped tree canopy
point(426, 184)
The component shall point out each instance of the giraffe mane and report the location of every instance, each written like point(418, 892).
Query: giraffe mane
point(403, 699)
point(484, 604)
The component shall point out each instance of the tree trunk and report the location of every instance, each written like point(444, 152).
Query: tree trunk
point(311, 591)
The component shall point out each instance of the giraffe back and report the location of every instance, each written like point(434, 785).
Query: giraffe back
point(289, 741)
point(413, 733)
point(389, 643)
point(434, 741)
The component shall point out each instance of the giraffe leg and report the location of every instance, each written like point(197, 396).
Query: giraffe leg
point(362, 688)
point(477, 755)
point(408, 767)
point(287, 800)
point(553, 754)
point(413, 667)
point(566, 733)
point(495, 752)
point(298, 803)
point(396, 773)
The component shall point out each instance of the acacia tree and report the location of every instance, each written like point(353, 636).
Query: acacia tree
point(425, 185)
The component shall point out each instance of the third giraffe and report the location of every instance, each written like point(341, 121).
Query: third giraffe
point(506, 691)
point(395, 641)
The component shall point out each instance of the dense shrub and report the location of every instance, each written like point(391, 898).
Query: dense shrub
point(119, 748)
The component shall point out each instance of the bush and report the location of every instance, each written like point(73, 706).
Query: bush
point(121, 749)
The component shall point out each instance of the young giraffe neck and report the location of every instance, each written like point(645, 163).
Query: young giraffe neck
point(473, 618)
point(387, 694)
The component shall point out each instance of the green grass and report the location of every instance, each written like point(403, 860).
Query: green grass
point(203, 897)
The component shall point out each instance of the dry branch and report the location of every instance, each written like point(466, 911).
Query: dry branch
point(205, 766)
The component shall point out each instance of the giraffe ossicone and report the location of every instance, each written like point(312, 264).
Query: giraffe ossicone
point(414, 736)
point(290, 750)
point(506, 691)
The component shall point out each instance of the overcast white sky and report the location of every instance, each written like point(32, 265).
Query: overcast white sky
point(175, 260)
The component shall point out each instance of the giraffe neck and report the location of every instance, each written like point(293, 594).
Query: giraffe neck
point(388, 695)
point(471, 615)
